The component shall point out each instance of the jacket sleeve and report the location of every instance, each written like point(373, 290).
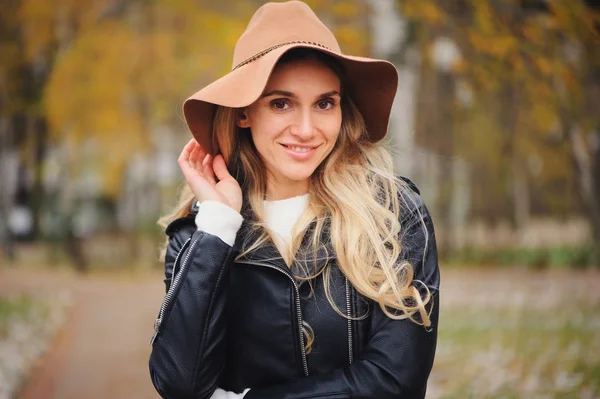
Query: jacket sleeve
point(184, 229)
point(397, 360)
point(188, 348)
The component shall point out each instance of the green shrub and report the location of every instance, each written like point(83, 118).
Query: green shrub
point(535, 258)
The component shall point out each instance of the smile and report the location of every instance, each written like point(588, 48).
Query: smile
point(300, 149)
point(299, 153)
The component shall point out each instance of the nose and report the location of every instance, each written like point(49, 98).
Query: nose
point(304, 126)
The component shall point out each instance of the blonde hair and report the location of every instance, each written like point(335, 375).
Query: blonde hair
point(353, 193)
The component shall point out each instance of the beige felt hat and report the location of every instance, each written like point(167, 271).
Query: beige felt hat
point(273, 30)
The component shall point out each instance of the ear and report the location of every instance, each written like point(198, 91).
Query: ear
point(242, 119)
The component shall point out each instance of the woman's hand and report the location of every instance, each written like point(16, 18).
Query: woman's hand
point(199, 170)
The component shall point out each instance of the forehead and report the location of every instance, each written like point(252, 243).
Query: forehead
point(309, 73)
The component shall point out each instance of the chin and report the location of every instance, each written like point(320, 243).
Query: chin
point(301, 174)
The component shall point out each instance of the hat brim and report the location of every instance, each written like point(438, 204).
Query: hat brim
point(371, 83)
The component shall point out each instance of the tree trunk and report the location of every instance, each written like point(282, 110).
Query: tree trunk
point(588, 189)
point(445, 148)
point(8, 183)
point(40, 133)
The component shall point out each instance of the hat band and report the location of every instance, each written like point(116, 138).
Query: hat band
point(265, 51)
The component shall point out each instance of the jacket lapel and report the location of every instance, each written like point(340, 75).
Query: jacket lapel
point(307, 258)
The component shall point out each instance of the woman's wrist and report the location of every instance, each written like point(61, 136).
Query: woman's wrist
point(222, 394)
point(216, 218)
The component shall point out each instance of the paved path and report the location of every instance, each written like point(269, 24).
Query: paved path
point(103, 350)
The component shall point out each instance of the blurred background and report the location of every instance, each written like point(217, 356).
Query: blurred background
point(496, 120)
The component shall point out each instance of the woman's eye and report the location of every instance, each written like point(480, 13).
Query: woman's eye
point(325, 105)
point(280, 104)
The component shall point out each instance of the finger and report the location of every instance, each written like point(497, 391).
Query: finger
point(187, 168)
point(188, 159)
point(189, 148)
point(206, 159)
point(197, 182)
point(208, 169)
point(185, 152)
point(195, 160)
point(220, 168)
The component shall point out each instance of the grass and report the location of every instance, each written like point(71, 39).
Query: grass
point(14, 306)
point(27, 323)
point(11, 308)
point(535, 258)
point(518, 334)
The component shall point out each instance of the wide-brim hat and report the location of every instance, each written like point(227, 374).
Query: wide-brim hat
point(273, 30)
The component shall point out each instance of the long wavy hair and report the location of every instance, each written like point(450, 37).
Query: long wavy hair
point(354, 193)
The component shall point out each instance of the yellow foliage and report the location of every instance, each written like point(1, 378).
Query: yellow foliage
point(117, 81)
point(484, 18)
point(460, 66)
point(46, 23)
point(543, 65)
point(543, 116)
point(526, 68)
point(424, 11)
point(318, 4)
point(352, 40)
point(346, 10)
point(532, 33)
point(38, 19)
point(497, 46)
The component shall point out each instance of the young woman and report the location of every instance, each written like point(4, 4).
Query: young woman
point(297, 265)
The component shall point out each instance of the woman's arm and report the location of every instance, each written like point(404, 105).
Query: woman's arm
point(395, 364)
point(398, 358)
point(222, 394)
point(188, 350)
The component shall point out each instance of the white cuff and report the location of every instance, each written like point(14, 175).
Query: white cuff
point(220, 220)
point(221, 394)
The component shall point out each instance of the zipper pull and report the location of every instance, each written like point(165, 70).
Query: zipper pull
point(153, 337)
point(155, 333)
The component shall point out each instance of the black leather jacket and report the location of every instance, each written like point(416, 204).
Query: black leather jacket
point(236, 325)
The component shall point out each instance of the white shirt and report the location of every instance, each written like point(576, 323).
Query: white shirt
point(216, 218)
point(282, 215)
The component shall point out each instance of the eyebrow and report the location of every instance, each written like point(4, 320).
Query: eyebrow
point(292, 95)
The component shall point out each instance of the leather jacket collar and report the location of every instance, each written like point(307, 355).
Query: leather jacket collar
point(307, 257)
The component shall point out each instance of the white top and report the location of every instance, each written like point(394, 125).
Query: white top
point(216, 218)
point(282, 215)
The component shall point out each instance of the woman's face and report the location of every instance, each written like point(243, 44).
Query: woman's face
point(296, 121)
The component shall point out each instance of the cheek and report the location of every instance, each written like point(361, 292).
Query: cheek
point(332, 129)
point(264, 126)
point(263, 137)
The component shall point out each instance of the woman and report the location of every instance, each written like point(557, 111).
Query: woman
point(297, 264)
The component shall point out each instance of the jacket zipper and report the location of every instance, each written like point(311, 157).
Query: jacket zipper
point(349, 314)
point(169, 296)
point(298, 313)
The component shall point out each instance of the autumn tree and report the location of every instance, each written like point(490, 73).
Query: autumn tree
point(533, 70)
point(103, 82)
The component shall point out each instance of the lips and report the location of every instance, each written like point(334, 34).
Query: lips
point(299, 148)
point(299, 152)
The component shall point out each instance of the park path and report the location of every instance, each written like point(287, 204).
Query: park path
point(102, 351)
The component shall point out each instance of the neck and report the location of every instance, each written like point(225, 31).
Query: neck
point(279, 189)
